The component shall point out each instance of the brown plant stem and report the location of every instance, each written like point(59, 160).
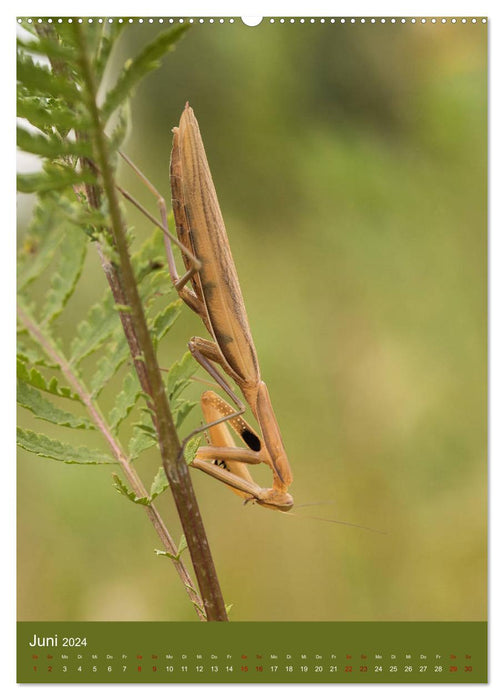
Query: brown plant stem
point(174, 465)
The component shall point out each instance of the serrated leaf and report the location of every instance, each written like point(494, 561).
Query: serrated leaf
point(191, 449)
point(165, 319)
point(52, 179)
point(101, 322)
point(29, 352)
point(36, 379)
point(32, 399)
point(179, 375)
point(151, 254)
point(50, 227)
point(49, 114)
point(79, 212)
point(125, 400)
point(116, 354)
point(121, 127)
point(180, 410)
point(67, 34)
point(164, 553)
point(182, 546)
point(147, 427)
point(71, 257)
point(147, 60)
point(107, 39)
point(32, 355)
point(45, 235)
point(155, 282)
point(140, 442)
point(159, 484)
point(121, 488)
point(50, 47)
point(53, 146)
point(40, 81)
point(43, 446)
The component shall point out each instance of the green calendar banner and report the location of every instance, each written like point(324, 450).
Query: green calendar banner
point(252, 652)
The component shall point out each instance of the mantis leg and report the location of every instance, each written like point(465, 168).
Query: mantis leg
point(248, 490)
point(221, 458)
point(205, 352)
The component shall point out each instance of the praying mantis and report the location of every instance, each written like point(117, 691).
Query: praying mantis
point(216, 297)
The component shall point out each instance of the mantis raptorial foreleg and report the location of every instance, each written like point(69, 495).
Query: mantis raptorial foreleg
point(204, 352)
point(228, 463)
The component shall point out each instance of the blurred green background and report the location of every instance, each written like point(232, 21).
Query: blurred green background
point(350, 163)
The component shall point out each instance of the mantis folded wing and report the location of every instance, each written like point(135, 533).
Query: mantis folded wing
point(216, 297)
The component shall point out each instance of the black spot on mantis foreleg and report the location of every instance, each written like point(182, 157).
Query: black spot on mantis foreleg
point(251, 440)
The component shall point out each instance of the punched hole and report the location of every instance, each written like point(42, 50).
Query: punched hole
point(251, 21)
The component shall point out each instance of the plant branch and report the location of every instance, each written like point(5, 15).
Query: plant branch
point(129, 470)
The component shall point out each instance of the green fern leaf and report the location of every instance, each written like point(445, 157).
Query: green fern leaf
point(34, 378)
point(44, 238)
point(51, 146)
point(116, 354)
point(50, 47)
point(140, 442)
point(106, 42)
point(32, 399)
point(121, 127)
point(41, 81)
point(30, 354)
point(159, 484)
point(50, 114)
point(71, 256)
point(101, 322)
point(54, 177)
point(121, 488)
point(165, 319)
point(136, 69)
point(147, 426)
point(182, 546)
point(33, 109)
point(191, 449)
point(151, 254)
point(179, 375)
point(78, 212)
point(67, 35)
point(156, 283)
point(43, 446)
point(180, 410)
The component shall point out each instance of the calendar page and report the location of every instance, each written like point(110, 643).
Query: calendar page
point(252, 312)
